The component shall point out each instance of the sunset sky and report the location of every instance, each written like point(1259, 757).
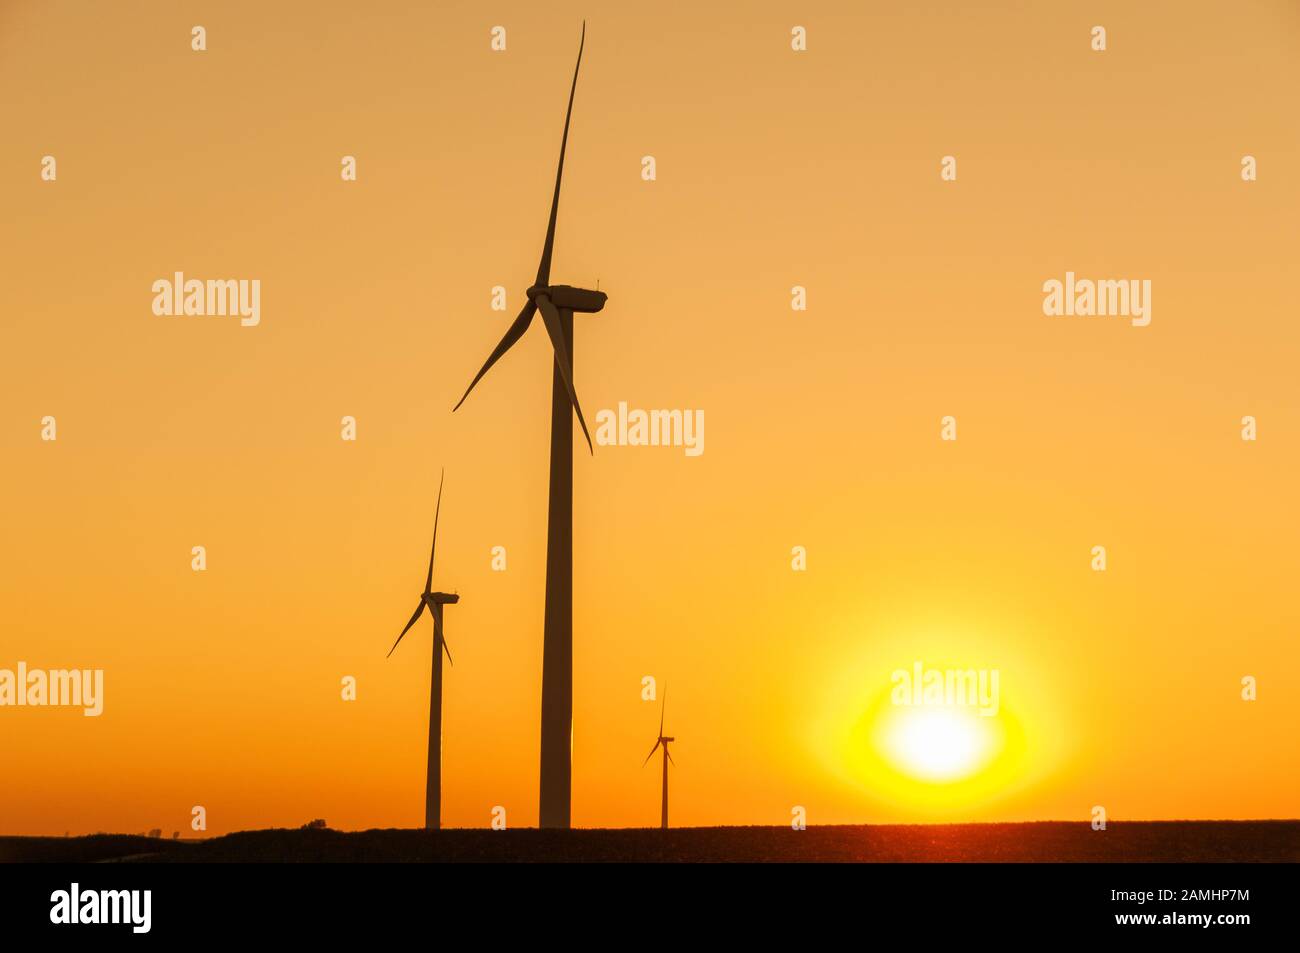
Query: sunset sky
point(775, 168)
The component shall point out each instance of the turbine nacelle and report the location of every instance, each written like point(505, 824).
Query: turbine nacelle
point(569, 298)
point(440, 598)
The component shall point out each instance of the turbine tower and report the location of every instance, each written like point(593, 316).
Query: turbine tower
point(663, 742)
point(557, 304)
point(434, 601)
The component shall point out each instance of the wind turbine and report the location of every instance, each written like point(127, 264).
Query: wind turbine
point(434, 601)
point(663, 742)
point(557, 304)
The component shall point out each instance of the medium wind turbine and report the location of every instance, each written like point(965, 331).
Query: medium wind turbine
point(557, 304)
point(662, 742)
point(434, 601)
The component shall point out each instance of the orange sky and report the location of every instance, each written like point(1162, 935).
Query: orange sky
point(775, 169)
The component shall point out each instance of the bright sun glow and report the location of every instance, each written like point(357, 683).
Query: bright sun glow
point(938, 760)
point(937, 744)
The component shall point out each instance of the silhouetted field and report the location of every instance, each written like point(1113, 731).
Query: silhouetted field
point(1134, 841)
point(92, 849)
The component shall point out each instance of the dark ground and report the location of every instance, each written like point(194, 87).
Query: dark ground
point(1133, 841)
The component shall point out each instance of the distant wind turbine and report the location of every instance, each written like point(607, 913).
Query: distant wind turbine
point(434, 601)
point(663, 741)
point(557, 304)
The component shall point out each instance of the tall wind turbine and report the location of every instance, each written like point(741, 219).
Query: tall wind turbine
point(434, 601)
point(663, 742)
point(557, 304)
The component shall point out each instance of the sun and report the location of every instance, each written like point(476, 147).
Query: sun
point(912, 759)
point(937, 744)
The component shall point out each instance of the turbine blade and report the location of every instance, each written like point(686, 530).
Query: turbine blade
point(418, 610)
point(663, 707)
point(669, 756)
point(544, 267)
point(428, 580)
point(442, 640)
point(650, 755)
point(513, 334)
point(551, 318)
